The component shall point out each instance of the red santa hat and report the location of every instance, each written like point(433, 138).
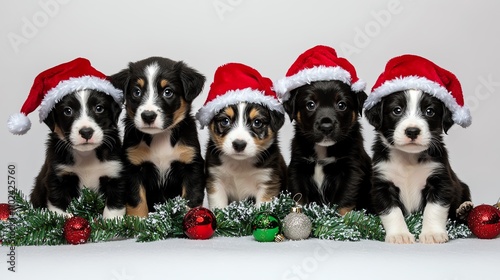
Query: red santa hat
point(319, 63)
point(415, 72)
point(53, 84)
point(235, 83)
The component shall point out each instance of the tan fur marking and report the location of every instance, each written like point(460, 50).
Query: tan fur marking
point(345, 210)
point(186, 153)
point(163, 83)
point(218, 140)
point(298, 117)
point(264, 142)
point(354, 116)
point(138, 154)
point(58, 132)
point(140, 82)
point(180, 113)
point(130, 112)
point(229, 112)
point(210, 184)
point(254, 113)
point(141, 210)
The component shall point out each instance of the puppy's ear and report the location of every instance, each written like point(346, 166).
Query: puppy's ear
point(120, 80)
point(289, 106)
point(277, 120)
point(361, 97)
point(50, 120)
point(192, 81)
point(447, 119)
point(375, 115)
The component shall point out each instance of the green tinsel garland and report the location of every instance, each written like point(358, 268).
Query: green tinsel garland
point(29, 226)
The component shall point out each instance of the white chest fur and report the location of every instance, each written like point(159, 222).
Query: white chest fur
point(321, 160)
point(89, 169)
point(240, 178)
point(161, 153)
point(408, 175)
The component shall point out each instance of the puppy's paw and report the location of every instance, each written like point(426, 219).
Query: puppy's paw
point(113, 213)
point(464, 209)
point(400, 238)
point(433, 237)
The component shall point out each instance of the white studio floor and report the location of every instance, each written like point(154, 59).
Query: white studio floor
point(245, 258)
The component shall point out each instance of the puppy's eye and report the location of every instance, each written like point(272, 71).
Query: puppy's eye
point(397, 111)
point(257, 123)
point(429, 112)
point(342, 106)
point(99, 109)
point(225, 122)
point(136, 92)
point(68, 112)
point(310, 105)
point(167, 93)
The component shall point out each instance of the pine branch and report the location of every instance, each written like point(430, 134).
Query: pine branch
point(166, 222)
point(234, 220)
point(88, 205)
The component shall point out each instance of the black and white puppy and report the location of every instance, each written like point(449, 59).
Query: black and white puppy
point(411, 167)
point(328, 164)
point(160, 139)
point(83, 150)
point(243, 158)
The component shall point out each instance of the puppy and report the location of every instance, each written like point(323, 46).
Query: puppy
point(160, 138)
point(83, 150)
point(243, 158)
point(411, 167)
point(328, 164)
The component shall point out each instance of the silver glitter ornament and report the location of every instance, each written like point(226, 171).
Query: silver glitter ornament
point(297, 225)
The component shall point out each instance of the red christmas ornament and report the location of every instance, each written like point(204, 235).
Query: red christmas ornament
point(199, 223)
point(484, 221)
point(4, 211)
point(76, 230)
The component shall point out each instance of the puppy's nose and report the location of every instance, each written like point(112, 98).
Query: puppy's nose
point(86, 133)
point(239, 145)
point(148, 116)
point(326, 126)
point(412, 132)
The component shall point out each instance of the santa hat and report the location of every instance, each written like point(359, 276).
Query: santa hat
point(235, 83)
point(53, 84)
point(319, 63)
point(415, 72)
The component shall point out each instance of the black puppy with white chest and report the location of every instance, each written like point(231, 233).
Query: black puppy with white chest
point(83, 150)
point(328, 161)
point(411, 105)
point(412, 171)
point(160, 140)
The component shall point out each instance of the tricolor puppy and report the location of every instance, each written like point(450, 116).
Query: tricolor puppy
point(161, 140)
point(243, 158)
point(81, 108)
point(412, 103)
point(324, 97)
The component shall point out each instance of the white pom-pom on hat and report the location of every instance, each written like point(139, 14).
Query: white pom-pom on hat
point(18, 124)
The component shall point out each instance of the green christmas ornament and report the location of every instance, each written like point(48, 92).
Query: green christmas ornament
point(265, 227)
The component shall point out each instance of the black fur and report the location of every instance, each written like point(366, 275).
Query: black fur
point(347, 178)
point(443, 186)
point(60, 189)
point(186, 84)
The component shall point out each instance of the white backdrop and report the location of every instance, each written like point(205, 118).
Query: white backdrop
point(267, 35)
